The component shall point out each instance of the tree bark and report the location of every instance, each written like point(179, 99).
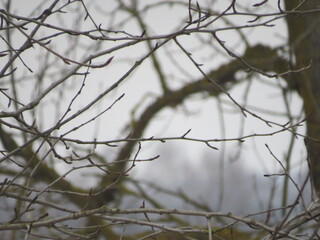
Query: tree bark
point(304, 35)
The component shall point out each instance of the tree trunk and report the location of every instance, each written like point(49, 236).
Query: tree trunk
point(304, 35)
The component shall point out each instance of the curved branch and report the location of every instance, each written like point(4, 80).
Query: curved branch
point(259, 56)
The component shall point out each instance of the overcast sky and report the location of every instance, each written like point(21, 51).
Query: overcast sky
point(190, 166)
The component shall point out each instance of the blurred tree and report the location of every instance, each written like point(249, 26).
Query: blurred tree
point(70, 43)
point(304, 32)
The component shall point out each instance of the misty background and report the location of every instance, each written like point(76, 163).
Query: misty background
point(230, 179)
